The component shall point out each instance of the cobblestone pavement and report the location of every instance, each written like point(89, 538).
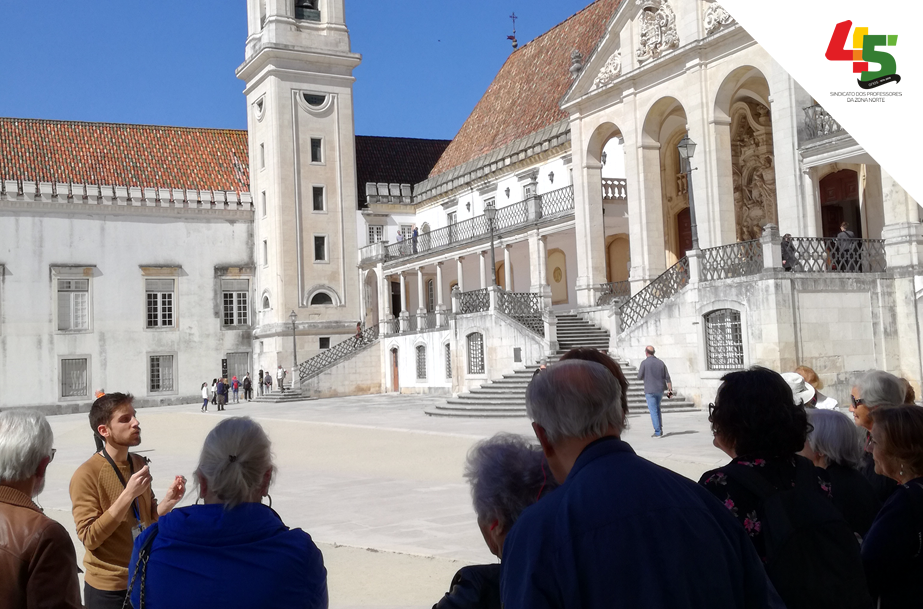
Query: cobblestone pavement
point(376, 482)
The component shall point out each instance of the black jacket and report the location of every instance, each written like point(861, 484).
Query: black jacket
point(474, 587)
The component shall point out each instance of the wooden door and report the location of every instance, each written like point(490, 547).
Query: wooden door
point(395, 377)
point(683, 232)
point(831, 217)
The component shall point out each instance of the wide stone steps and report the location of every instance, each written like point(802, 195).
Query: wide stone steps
point(277, 397)
point(506, 396)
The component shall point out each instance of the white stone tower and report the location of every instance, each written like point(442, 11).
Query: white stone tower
point(298, 75)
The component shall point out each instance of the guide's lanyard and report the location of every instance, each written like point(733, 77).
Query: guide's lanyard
point(131, 468)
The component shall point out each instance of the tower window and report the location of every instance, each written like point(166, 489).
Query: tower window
point(306, 10)
point(318, 198)
point(321, 298)
point(314, 100)
point(320, 248)
point(317, 155)
point(262, 156)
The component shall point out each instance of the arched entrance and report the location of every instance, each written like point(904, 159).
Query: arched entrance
point(839, 202)
point(618, 258)
point(557, 276)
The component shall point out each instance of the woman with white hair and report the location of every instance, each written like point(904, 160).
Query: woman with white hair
point(834, 444)
point(872, 390)
point(507, 474)
point(233, 551)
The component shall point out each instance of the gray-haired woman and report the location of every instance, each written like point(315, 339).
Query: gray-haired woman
point(507, 474)
point(233, 551)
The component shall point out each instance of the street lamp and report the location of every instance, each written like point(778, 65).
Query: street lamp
point(491, 212)
point(686, 151)
point(294, 316)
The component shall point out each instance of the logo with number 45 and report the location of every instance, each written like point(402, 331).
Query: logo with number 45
point(865, 51)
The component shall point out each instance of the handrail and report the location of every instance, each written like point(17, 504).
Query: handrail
point(474, 301)
point(339, 352)
point(833, 254)
point(524, 307)
point(733, 260)
point(614, 291)
point(655, 293)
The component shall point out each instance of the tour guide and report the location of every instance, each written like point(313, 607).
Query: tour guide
point(113, 502)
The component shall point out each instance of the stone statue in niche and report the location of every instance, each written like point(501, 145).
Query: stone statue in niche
point(609, 72)
point(715, 17)
point(754, 178)
point(658, 29)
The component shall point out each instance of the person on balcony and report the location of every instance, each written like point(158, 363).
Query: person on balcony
point(413, 237)
point(847, 250)
point(789, 259)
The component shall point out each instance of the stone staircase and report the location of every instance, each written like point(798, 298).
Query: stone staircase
point(277, 397)
point(506, 397)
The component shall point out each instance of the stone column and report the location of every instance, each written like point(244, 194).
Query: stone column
point(543, 269)
point(901, 232)
point(719, 221)
point(363, 312)
point(771, 242)
point(404, 315)
point(421, 294)
point(589, 224)
point(483, 266)
point(384, 294)
point(535, 266)
point(645, 207)
point(440, 307)
point(790, 204)
point(810, 191)
point(507, 268)
point(460, 270)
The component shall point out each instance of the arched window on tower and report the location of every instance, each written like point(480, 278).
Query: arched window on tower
point(321, 298)
point(306, 10)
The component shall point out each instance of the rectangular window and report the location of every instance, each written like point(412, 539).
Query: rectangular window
point(320, 249)
point(323, 342)
point(724, 348)
point(161, 374)
point(476, 353)
point(159, 302)
point(74, 378)
point(73, 304)
point(235, 301)
point(263, 202)
point(376, 233)
point(528, 190)
point(451, 218)
point(262, 156)
point(316, 150)
point(406, 231)
point(318, 198)
point(265, 253)
point(421, 363)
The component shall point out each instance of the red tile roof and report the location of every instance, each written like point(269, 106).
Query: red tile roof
point(526, 93)
point(124, 155)
point(394, 160)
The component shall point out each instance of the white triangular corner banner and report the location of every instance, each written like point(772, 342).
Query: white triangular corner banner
point(885, 117)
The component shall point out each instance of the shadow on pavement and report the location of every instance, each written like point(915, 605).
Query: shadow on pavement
point(679, 433)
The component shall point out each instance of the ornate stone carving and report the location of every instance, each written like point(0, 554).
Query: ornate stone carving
point(754, 175)
point(576, 63)
point(609, 72)
point(715, 17)
point(658, 29)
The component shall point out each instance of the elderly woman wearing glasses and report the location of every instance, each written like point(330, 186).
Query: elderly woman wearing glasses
point(874, 389)
point(507, 474)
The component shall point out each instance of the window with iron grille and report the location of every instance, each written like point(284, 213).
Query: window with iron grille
point(376, 233)
point(234, 293)
point(421, 363)
point(161, 374)
point(159, 302)
point(476, 353)
point(73, 304)
point(318, 198)
point(724, 348)
point(448, 361)
point(74, 378)
point(317, 155)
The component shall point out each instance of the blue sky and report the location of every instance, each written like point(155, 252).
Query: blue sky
point(171, 62)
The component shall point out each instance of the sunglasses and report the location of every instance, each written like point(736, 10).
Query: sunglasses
point(856, 403)
point(53, 451)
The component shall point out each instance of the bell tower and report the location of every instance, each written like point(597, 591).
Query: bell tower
point(299, 87)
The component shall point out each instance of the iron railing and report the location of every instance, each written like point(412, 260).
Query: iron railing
point(615, 291)
point(732, 260)
point(337, 353)
point(831, 255)
point(524, 307)
point(615, 189)
point(655, 293)
point(390, 327)
point(554, 203)
point(475, 301)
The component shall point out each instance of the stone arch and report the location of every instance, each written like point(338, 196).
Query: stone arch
point(319, 295)
point(266, 301)
point(618, 257)
point(597, 142)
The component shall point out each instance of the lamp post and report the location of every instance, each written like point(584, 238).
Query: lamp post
point(491, 212)
point(294, 316)
point(686, 151)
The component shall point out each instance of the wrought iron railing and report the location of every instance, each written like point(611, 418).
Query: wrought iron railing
point(524, 307)
point(337, 353)
point(818, 122)
point(615, 291)
point(475, 301)
point(615, 189)
point(558, 202)
point(390, 327)
point(655, 293)
point(832, 255)
point(732, 260)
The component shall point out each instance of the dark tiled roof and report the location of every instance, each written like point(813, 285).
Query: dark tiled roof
point(394, 160)
point(124, 155)
point(526, 93)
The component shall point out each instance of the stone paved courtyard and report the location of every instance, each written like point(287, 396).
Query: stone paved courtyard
point(376, 483)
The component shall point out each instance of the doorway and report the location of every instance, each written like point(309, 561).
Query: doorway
point(683, 232)
point(839, 202)
point(395, 377)
point(395, 298)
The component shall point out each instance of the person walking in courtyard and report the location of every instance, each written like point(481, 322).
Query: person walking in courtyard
point(204, 397)
point(260, 381)
point(232, 552)
point(113, 501)
point(620, 531)
point(656, 379)
point(248, 387)
point(214, 392)
point(222, 390)
point(280, 378)
point(38, 564)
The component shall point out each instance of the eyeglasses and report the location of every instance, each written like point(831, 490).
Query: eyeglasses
point(856, 403)
point(53, 451)
point(711, 408)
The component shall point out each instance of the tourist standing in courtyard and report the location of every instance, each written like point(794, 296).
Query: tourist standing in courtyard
point(222, 390)
point(893, 549)
point(235, 389)
point(619, 531)
point(38, 565)
point(260, 381)
point(810, 552)
point(280, 378)
point(233, 551)
point(507, 474)
point(204, 397)
point(872, 390)
point(113, 502)
point(248, 387)
point(268, 380)
point(656, 379)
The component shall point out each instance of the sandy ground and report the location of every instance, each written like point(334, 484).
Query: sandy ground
point(376, 482)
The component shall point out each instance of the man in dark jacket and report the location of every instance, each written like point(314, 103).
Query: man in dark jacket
point(38, 565)
point(222, 392)
point(619, 531)
point(656, 379)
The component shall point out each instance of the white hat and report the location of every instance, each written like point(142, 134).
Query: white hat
point(801, 390)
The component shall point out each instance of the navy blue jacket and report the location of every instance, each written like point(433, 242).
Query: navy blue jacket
point(206, 556)
point(623, 532)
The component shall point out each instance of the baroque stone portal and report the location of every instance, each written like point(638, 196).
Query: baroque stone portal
point(754, 173)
